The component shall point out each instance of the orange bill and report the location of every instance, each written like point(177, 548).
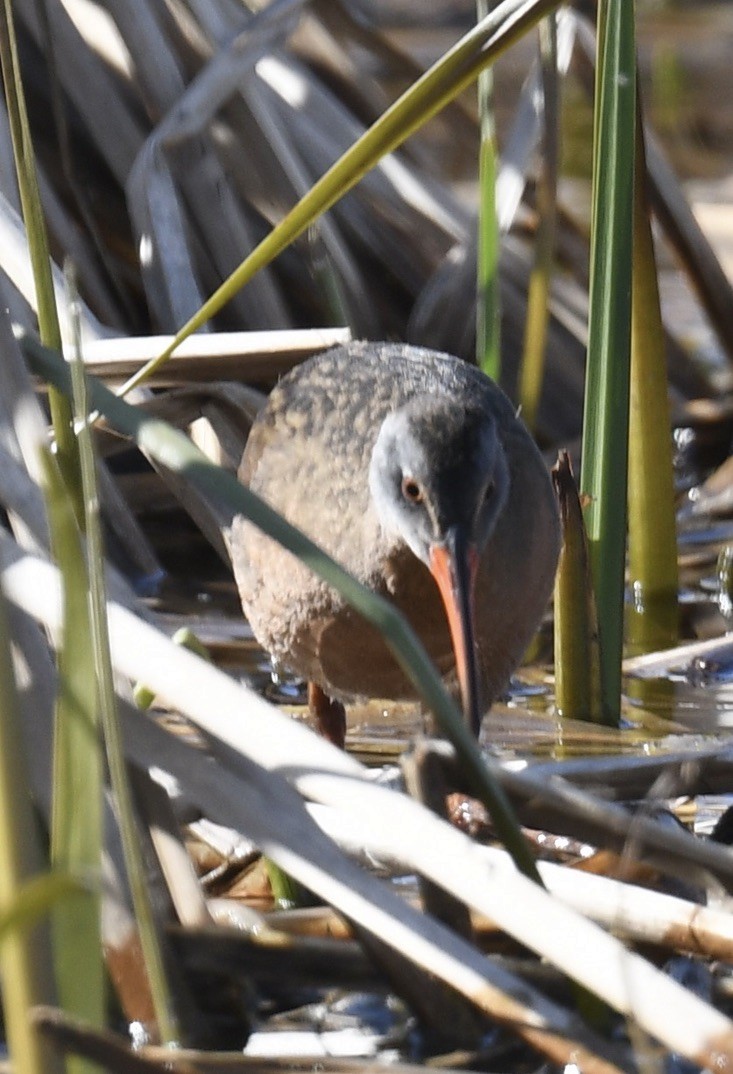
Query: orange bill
point(454, 564)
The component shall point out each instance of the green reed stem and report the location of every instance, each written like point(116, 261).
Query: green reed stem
point(606, 413)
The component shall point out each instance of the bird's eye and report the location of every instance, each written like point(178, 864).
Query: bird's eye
point(411, 490)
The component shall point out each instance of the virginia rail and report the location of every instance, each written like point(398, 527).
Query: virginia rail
point(410, 468)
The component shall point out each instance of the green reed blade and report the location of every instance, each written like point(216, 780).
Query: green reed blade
point(605, 420)
point(488, 308)
point(538, 297)
point(37, 897)
point(652, 620)
point(78, 775)
point(577, 669)
point(25, 957)
point(25, 167)
point(136, 874)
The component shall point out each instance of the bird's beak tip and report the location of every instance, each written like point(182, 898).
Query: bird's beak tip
point(454, 565)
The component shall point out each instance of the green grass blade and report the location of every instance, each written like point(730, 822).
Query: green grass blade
point(488, 310)
point(605, 421)
point(538, 298)
point(174, 450)
point(25, 957)
point(652, 620)
point(456, 70)
point(166, 1023)
point(48, 322)
point(76, 813)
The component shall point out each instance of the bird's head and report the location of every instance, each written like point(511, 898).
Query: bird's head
point(439, 479)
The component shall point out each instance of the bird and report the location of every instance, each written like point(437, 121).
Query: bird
point(414, 471)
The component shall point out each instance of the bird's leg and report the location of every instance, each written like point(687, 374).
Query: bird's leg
point(330, 715)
